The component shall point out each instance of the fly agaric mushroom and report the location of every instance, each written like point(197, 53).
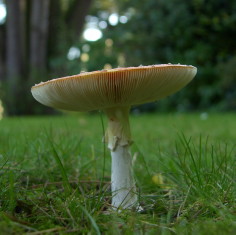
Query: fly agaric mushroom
point(114, 91)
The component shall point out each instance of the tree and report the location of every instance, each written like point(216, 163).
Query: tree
point(14, 52)
point(2, 45)
point(39, 25)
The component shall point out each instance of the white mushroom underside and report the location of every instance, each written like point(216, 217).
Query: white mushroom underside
point(117, 87)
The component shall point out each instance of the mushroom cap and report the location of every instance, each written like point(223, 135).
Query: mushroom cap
point(113, 88)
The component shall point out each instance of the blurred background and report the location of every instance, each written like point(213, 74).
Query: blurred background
point(45, 39)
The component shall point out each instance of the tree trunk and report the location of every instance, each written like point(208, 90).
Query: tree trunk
point(39, 35)
point(14, 55)
point(2, 53)
point(76, 15)
point(14, 51)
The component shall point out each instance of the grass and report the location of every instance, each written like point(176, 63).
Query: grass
point(55, 173)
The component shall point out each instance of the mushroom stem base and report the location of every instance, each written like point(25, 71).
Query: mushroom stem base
point(124, 193)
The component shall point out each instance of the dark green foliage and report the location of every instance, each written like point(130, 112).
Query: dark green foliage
point(200, 33)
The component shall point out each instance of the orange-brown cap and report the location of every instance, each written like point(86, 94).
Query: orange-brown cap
point(113, 88)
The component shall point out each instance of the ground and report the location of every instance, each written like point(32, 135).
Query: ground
point(55, 175)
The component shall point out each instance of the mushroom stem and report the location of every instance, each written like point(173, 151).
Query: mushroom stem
point(118, 136)
point(124, 194)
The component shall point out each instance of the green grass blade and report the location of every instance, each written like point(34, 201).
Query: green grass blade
point(11, 192)
point(56, 156)
point(62, 169)
point(93, 222)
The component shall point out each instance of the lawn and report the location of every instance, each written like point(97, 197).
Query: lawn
point(55, 175)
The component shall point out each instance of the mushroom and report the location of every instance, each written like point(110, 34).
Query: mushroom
point(114, 91)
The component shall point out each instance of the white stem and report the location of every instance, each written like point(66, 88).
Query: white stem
point(124, 194)
point(118, 136)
